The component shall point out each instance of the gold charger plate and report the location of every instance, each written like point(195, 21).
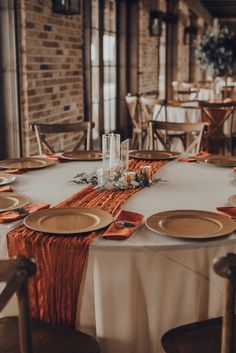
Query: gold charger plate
point(232, 200)
point(6, 179)
point(11, 201)
point(26, 163)
point(82, 155)
point(191, 224)
point(68, 220)
point(218, 160)
point(154, 155)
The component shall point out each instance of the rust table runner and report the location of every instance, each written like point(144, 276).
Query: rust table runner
point(61, 259)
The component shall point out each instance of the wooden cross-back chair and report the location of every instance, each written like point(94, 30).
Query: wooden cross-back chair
point(23, 335)
point(158, 113)
point(158, 131)
point(147, 108)
point(139, 130)
point(81, 129)
point(217, 114)
point(214, 335)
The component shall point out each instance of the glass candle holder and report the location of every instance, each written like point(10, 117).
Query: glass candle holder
point(102, 175)
point(146, 171)
point(111, 150)
point(129, 176)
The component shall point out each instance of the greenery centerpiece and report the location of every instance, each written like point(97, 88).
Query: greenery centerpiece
point(217, 52)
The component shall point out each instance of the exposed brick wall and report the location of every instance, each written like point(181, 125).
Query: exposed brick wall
point(182, 72)
point(51, 65)
point(148, 80)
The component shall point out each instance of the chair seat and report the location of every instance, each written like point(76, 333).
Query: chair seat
point(46, 338)
point(199, 337)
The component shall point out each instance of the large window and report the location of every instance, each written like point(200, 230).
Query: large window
point(162, 63)
point(110, 63)
point(103, 65)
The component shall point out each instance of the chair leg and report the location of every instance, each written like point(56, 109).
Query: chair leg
point(133, 141)
point(140, 141)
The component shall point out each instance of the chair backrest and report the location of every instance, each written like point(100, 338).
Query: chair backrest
point(158, 130)
point(216, 114)
point(83, 129)
point(133, 109)
point(226, 268)
point(147, 105)
point(15, 272)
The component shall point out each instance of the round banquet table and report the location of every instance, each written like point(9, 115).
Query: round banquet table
point(134, 290)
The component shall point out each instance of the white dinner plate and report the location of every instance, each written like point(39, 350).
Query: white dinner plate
point(6, 179)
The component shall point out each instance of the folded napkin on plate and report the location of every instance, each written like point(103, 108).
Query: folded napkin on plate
point(13, 171)
point(115, 232)
point(193, 158)
point(10, 216)
point(228, 211)
point(6, 188)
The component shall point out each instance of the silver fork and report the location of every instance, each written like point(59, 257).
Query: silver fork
point(21, 211)
point(124, 224)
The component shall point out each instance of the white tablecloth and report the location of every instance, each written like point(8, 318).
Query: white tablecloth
point(178, 114)
point(135, 290)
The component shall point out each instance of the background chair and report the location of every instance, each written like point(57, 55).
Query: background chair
point(217, 115)
point(15, 335)
point(158, 131)
point(139, 131)
point(214, 335)
point(162, 111)
point(81, 135)
point(147, 107)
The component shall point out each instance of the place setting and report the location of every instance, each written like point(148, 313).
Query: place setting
point(6, 181)
point(154, 155)
point(191, 224)
point(217, 160)
point(14, 206)
point(74, 156)
point(20, 165)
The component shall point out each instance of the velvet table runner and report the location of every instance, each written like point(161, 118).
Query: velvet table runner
point(61, 259)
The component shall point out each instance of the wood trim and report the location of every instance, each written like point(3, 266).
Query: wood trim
point(127, 60)
point(101, 67)
point(87, 62)
point(10, 130)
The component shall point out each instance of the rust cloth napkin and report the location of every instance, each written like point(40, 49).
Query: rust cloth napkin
point(120, 233)
point(193, 159)
point(234, 170)
point(61, 260)
point(13, 215)
point(6, 188)
point(228, 211)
